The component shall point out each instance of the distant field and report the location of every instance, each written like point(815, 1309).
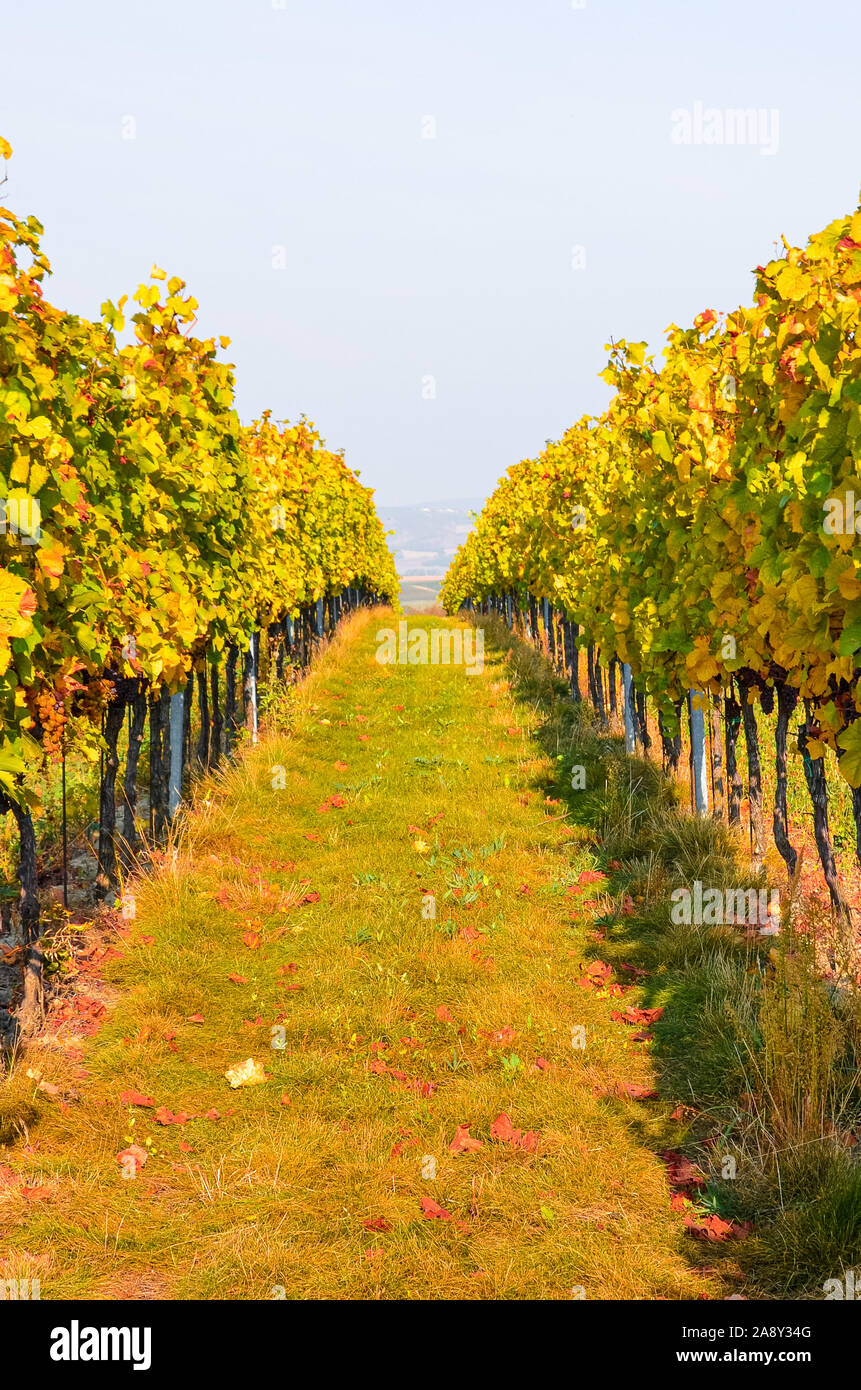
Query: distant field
point(420, 591)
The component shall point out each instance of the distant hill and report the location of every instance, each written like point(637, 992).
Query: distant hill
point(425, 538)
point(427, 535)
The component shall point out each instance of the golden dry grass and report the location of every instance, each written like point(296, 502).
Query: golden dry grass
point(444, 794)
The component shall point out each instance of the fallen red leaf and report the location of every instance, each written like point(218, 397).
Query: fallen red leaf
point(503, 1035)
point(502, 1127)
point(503, 1130)
point(164, 1116)
point(715, 1228)
point(377, 1223)
point(432, 1209)
point(134, 1154)
point(635, 971)
point(597, 974)
point(635, 1092)
point(401, 1144)
point(681, 1172)
point(463, 1141)
point(135, 1098)
point(637, 1016)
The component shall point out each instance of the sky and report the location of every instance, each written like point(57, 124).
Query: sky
point(420, 223)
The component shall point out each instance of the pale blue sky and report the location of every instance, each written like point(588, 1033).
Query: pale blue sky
point(301, 126)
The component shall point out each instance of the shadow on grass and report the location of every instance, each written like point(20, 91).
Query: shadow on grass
point(759, 1065)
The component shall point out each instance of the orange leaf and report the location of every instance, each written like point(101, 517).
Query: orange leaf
point(715, 1228)
point(377, 1223)
point(463, 1141)
point(634, 1092)
point(134, 1154)
point(164, 1116)
point(135, 1098)
point(433, 1210)
point(637, 1016)
point(502, 1036)
point(681, 1172)
point(502, 1128)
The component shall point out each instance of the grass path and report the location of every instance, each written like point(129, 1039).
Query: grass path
point(300, 902)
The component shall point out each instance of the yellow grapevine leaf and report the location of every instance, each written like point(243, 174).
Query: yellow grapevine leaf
point(50, 559)
point(850, 763)
point(17, 605)
point(249, 1073)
